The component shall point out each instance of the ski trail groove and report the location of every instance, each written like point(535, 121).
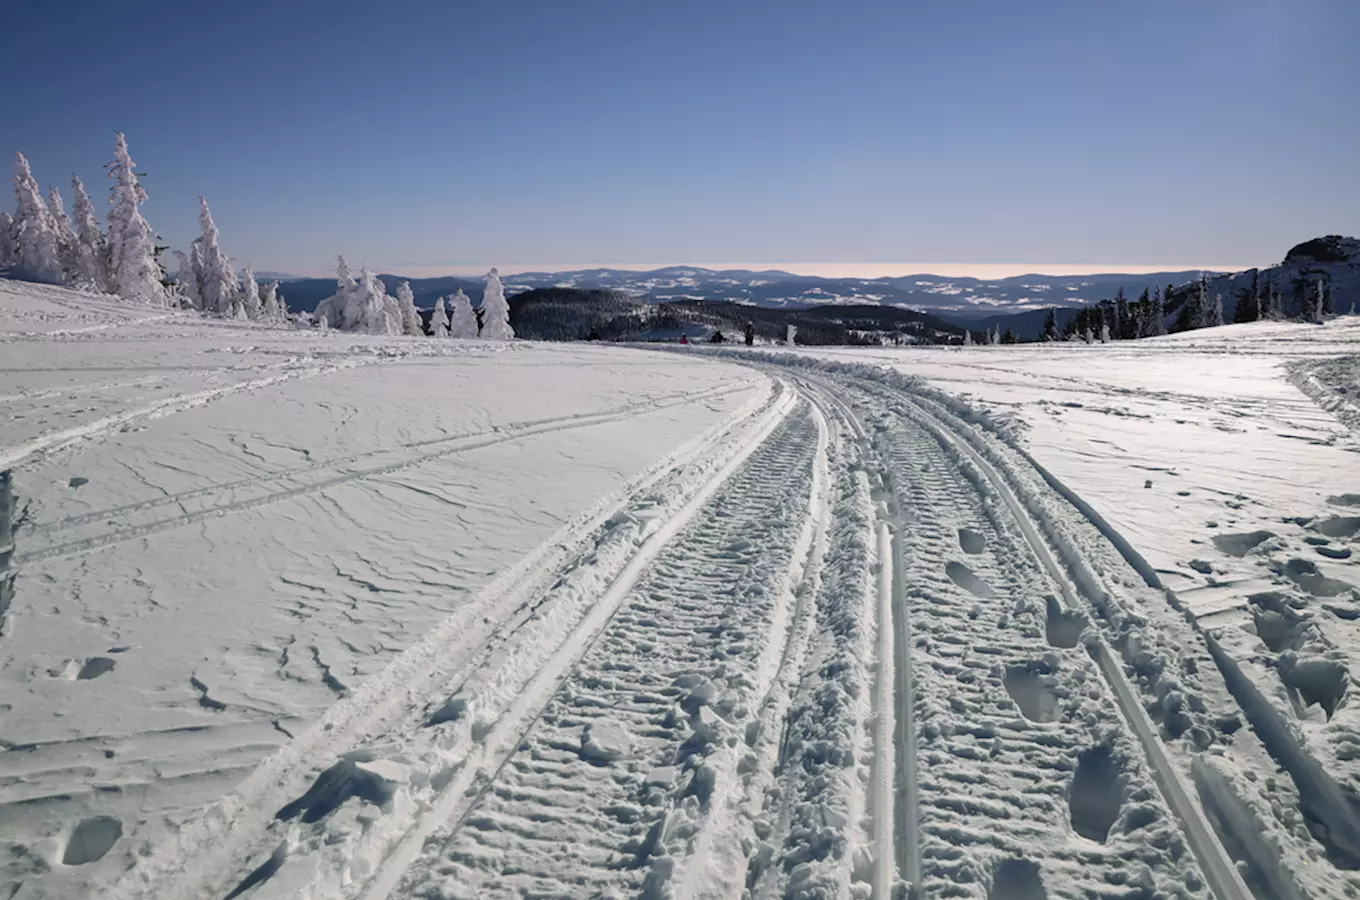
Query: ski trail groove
point(283, 486)
point(696, 610)
point(210, 853)
point(57, 440)
point(1224, 879)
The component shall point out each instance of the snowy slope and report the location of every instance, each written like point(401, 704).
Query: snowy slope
point(304, 616)
point(229, 528)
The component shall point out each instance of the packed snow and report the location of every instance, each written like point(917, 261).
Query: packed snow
point(346, 613)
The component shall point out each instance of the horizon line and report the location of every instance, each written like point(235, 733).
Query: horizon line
point(980, 271)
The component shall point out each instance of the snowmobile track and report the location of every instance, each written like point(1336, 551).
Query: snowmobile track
point(209, 855)
point(1222, 876)
point(700, 614)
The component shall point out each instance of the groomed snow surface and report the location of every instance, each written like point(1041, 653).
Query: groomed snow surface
point(335, 616)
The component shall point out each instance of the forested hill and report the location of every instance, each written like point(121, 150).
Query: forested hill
point(559, 314)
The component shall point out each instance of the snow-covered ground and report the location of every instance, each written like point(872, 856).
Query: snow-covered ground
point(327, 616)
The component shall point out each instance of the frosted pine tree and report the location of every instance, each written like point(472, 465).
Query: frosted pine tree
point(967, 338)
point(133, 270)
point(378, 313)
point(439, 320)
point(464, 320)
point(995, 338)
point(186, 280)
point(335, 311)
point(410, 317)
point(1104, 332)
point(91, 250)
point(250, 294)
point(6, 240)
point(37, 250)
point(495, 311)
point(66, 238)
point(269, 301)
point(1157, 325)
point(217, 282)
point(281, 300)
point(1214, 318)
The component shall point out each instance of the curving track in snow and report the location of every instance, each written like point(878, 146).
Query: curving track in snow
point(846, 645)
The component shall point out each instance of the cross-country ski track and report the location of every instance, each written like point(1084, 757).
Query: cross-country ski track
point(848, 642)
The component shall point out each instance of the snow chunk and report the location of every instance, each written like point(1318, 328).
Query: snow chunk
point(605, 741)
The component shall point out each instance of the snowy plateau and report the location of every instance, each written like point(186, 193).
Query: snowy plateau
point(291, 614)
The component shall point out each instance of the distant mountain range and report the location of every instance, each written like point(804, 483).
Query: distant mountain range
point(940, 307)
point(963, 300)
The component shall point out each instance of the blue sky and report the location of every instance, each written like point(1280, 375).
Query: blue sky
point(444, 135)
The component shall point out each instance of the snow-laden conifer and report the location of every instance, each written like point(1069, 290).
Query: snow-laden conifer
point(463, 323)
point(186, 280)
point(250, 294)
point(439, 320)
point(91, 250)
point(66, 238)
point(269, 302)
point(217, 282)
point(37, 249)
point(495, 311)
point(410, 317)
point(134, 272)
point(1214, 316)
point(6, 240)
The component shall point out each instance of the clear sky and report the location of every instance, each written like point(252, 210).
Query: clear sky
point(423, 136)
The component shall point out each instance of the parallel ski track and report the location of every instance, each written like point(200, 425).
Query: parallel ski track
point(67, 437)
point(703, 611)
point(292, 483)
point(1223, 877)
point(1221, 874)
point(209, 855)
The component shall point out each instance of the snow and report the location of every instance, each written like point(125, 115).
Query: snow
point(321, 614)
point(244, 524)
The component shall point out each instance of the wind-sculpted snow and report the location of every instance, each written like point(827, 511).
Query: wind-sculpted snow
point(799, 628)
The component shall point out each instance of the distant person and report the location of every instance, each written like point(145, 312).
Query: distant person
point(684, 339)
point(717, 338)
point(750, 333)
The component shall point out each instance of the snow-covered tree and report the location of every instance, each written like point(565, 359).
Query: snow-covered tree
point(6, 240)
point(1089, 337)
point(91, 250)
point(66, 238)
point(1214, 316)
point(134, 272)
point(439, 320)
point(334, 311)
point(38, 250)
point(217, 282)
point(378, 313)
point(269, 301)
point(1104, 333)
point(1156, 320)
point(967, 338)
point(1051, 325)
point(250, 294)
point(361, 306)
point(495, 311)
point(186, 280)
point(994, 336)
point(410, 317)
point(281, 300)
point(463, 323)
